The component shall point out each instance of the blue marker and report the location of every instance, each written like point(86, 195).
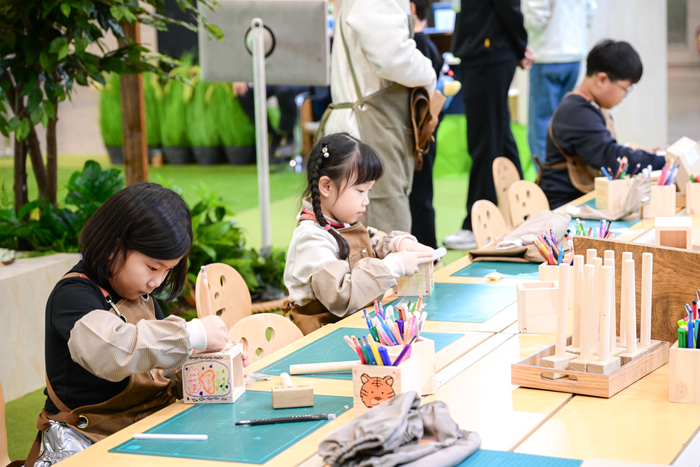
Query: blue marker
point(561, 254)
point(384, 355)
point(388, 330)
point(605, 171)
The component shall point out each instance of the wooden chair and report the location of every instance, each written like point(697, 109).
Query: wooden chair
point(4, 455)
point(487, 222)
point(504, 175)
point(253, 332)
point(228, 294)
point(524, 199)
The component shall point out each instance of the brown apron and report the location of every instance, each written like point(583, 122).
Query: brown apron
point(144, 394)
point(313, 315)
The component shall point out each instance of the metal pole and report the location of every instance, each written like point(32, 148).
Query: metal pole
point(260, 91)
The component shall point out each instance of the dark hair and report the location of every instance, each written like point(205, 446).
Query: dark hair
point(617, 59)
point(147, 218)
point(421, 8)
point(349, 161)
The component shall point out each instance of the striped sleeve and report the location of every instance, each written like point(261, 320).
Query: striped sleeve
point(111, 349)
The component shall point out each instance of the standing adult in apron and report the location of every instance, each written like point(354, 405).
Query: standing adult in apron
point(375, 63)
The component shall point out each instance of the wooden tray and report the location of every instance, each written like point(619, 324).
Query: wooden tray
point(528, 373)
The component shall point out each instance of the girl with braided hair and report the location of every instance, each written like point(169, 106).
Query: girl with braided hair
point(336, 266)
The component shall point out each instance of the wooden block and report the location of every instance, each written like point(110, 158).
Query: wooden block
point(549, 273)
point(372, 385)
point(611, 194)
point(662, 203)
point(214, 377)
point(674, 232)
point(627, 357)
point(675, 278)
point(604, 368)
point(424, 351)
point(557, 363)
point(687, 152)
point(537, 306)
point(579, 365)
point(573, 350)
point(692, 198)
point(421, 283)
point(287, 395)
point(684, 375)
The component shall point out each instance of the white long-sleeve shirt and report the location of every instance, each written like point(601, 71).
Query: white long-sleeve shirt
point(382, 53)
point(558, 29)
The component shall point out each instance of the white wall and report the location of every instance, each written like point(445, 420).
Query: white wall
point(688, 55)
point(642, 117)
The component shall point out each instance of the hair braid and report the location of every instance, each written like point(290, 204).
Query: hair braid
point(343, 248)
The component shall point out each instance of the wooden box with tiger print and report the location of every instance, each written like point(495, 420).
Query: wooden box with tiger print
point(373, 384)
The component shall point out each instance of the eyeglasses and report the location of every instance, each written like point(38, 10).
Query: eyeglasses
point(627, 90)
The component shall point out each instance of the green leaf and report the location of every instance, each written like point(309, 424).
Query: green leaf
point(63, 52)
point(215, 31)
point(14, 124)
point(44, 61)
point(65, 8)
point(50, 109)
point(24, 129)
point(57, 44)
point(116, 12)
point(129, 16)
point(36, 115)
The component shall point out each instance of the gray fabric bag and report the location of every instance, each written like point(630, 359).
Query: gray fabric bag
point(400, 432)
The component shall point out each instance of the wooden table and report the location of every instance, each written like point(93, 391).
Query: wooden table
point(638, 424)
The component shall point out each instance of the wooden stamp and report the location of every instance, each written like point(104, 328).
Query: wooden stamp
point(373, 384)
point(287, 395)
point(214, 377)
point(674, 232)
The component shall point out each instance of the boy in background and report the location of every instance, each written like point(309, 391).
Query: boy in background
point(578, 127)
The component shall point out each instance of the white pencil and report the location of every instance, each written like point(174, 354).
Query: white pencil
point(171, 437)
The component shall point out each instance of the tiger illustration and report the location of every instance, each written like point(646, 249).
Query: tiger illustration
point(374, 391)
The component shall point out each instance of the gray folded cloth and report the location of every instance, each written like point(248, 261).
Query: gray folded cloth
point(639, 194)
point(400, 432)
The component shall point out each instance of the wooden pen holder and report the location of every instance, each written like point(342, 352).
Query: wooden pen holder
point(537, 306)
point(214, 377)
point(684, 375)
point(549, 272)
point(611, 194)
point(692, 199)
point(421, 283)
point(422, 350)
point(662, 203)
point(373, 384)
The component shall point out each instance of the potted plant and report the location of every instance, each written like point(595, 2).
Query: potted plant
point(202, 131)
point(111, 117)
point(236, 131)
point(176, 149)
point(153, 97)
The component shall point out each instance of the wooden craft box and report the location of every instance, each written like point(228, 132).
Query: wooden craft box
point(692, 198)
point(674, 232)
point(421, 283)
point(686, 152)
point(528, 373)
point(537, 306)
point(214, 377)
point(662, 203)
point(611, 194)
point(684, 375)
point(422, 350)
point(373, 384)
point(548, 272)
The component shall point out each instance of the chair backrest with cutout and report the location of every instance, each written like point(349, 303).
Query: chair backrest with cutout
point(504, 175)
point(525, 198)
point(487, 222)
point(228, 294)
point(263, 334)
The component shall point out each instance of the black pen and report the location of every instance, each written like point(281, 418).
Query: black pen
point(296, 418)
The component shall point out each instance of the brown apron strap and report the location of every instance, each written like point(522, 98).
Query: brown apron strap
point(78, 274)
point(54, 398)
point(360, 99)
point(33, 453)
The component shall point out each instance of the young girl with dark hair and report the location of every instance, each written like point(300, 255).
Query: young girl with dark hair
point(336, 266)
point(106, 339)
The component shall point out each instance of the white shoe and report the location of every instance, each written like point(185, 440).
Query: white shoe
point(461, 240)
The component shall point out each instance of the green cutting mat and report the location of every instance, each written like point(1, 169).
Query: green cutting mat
point(508, 270)
point(466, 303)
point(484, 458)
point(228, 442)
point(333, 348)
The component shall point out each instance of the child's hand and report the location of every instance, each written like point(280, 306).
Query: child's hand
point(215, 329)
point(408, 244)
point(244, 355)
point(411, 260)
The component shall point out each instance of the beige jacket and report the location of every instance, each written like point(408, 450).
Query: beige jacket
point(313, 269)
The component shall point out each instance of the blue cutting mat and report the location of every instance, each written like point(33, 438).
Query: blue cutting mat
point(508, 270)
point(333, 348)
point(228, 442)
point(484, 458)
point(466, 303)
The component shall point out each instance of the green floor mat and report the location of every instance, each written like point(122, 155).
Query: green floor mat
point(333, 348)
point(507, 270)
point(228, 442)
point(484, 458)
point(466, 303)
